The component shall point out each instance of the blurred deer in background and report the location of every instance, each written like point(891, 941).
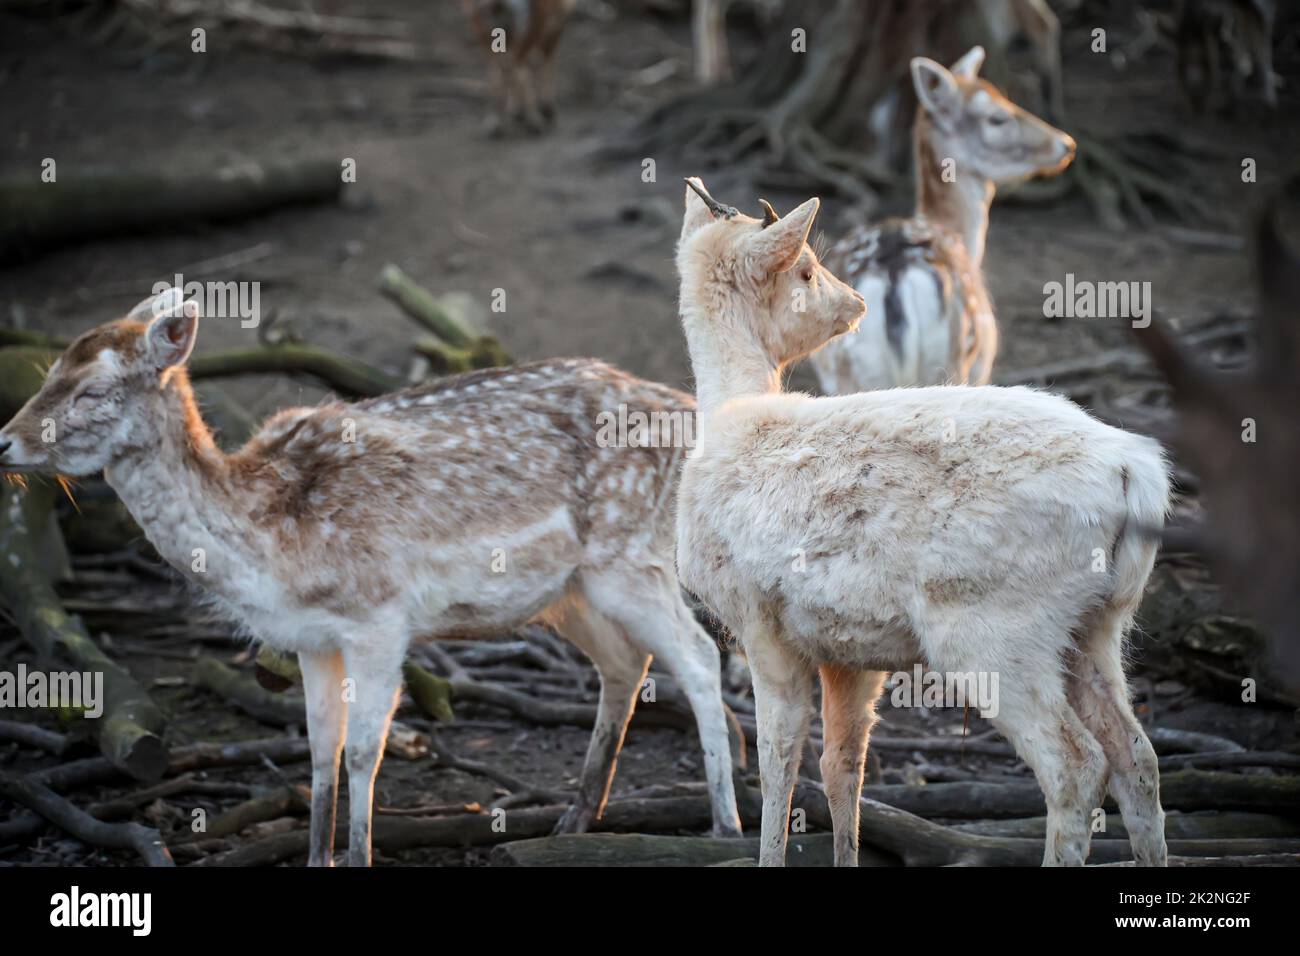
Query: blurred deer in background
point(995, 531)
point(519, 37)
point(341, 532)
point(929, 318)
point(709, 36)
point(1206, 33)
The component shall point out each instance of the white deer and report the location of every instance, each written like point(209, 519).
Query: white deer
point(978, 530)
point(929, 318)
point(341, 532)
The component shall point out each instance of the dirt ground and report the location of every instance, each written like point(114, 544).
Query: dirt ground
point(582, 247)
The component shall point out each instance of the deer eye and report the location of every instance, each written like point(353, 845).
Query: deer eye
point(91, 395)
point(806, 273)
point(998, 119)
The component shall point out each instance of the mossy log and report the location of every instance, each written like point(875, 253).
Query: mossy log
point(429, 691)
point(346, 375)
point(130, 727)
point(483, 352)
point(92, 202)
point(456, 345)
point(245, 693)
point(424, 308)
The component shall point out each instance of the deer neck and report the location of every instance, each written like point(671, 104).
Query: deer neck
point(175, 482)
point(961, 205)
point(728, 361)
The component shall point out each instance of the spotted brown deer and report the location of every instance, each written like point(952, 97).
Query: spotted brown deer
point(344, 531)
point(929, 318)
point(519, 38)
point(995, 531)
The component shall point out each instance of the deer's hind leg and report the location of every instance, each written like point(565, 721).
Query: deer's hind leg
point(1031, 709)
point(647, 604)
point(1098, 691)
point(622, 668)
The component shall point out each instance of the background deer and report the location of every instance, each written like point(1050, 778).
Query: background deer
point(342, 532)
point(929, 317)
point(1209, 32)
point(980, 530)
point(523, 84)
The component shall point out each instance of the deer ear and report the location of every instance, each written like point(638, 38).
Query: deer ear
point(777, 247)
point(169, 339)
point(165, 299)
point(968, 67)
point(697, 211)
point(936, 88)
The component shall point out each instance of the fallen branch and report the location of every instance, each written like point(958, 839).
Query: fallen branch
point(113, 836)
point(266, 806)
point(243, 692)
point(1182, 790)
point(1178, 826)
point(346, 375)
point(456, 346)
point(85, 203)
point(349, 377)
point(641, 849)
point(32, 736)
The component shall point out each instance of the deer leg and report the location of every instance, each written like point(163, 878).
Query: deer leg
point(783, 708)
point(546, 76)
point(622, 669)
point(1098, 691)
point(494, 122)
point(658, 622)
point(671, 633)
point(1068, 761)
point(848, 714)
point(376, 675)
point(526, 111)
point(322, 684)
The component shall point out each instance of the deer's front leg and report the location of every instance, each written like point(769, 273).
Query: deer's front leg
point(375, 676)
point(783, 709)
point(322, 683)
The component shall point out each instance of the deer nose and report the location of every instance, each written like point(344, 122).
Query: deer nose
point(1068, 147)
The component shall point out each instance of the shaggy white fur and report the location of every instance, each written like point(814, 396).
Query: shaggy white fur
point(996, 530)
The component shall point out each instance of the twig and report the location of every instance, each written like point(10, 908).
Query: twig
point(33, 736)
